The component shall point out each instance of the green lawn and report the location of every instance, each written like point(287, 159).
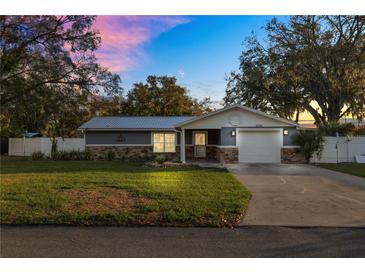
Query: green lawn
point(118, 193)
point(350, 168)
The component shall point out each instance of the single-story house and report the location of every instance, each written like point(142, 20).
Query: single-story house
point(229, 135)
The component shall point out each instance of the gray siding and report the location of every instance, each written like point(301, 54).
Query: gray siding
point(188, 137)
point(118, 137)
point(288, 139)
point(226, 137)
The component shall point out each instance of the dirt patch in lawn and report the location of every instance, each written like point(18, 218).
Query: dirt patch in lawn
point(103, 199)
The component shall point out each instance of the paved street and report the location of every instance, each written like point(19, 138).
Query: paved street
point(261, 241)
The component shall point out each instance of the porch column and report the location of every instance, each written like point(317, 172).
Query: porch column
point(182, 146)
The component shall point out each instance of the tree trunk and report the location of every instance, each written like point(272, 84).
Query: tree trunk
point(54, 145)
point(297, 116)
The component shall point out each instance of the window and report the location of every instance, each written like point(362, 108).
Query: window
point(163, 142)
point(199, 139)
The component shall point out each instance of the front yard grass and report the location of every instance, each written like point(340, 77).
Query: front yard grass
point(118, 193)
point(350, 168)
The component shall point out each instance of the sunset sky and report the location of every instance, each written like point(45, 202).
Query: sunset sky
point(199, 50)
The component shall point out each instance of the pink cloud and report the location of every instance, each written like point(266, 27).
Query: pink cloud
point(123, 37)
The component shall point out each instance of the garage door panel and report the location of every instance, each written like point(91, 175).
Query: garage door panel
point(259, 147)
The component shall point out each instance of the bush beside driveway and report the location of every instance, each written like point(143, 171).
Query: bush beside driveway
point(118, 193)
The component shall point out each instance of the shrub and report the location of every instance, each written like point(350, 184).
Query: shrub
point(87, 155)
point(38, 156)
point(343, 129)
point(110, 155)
point(64, 155)
point(161, 158)
point(359, 131)
point(176, 159)
point(311, 142)
point(75, 155)
point(71, 155)
point(56, 155)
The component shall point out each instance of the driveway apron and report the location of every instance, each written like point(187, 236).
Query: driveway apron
point(301, 195)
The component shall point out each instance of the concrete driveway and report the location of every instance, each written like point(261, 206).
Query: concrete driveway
point(301, 195)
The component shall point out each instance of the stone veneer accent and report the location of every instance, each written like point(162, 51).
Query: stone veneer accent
point(146, 152)
point(211, 153)
point(189, 152)
point(128, 152)
point(292, 156)
point(228, 155)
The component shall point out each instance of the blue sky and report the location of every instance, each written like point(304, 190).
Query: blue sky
point(199, 50)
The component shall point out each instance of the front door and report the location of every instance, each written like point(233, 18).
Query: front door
point(200, 139)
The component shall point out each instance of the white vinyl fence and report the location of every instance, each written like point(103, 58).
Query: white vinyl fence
point(341, 149)
point(26, 146)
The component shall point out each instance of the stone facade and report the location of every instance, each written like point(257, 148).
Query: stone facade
point(228, 155)
point(292, 156)
point(129, 152)
point(146, 152)
point(189, 152)
point(211, 153)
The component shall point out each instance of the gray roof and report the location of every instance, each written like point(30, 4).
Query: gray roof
point(134, 122)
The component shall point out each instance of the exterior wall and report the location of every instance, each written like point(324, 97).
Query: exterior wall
point(288, 139)
point(189, 152)
point(129, 152)
point(228, 155)
point(226, 136)
point(235, 118)
point(146, 152)
point(211, 153)
point(214, 137)
point(188, 137)
point(118, 137)
point(292, 156)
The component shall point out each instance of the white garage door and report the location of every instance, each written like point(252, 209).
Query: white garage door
point(259, 146)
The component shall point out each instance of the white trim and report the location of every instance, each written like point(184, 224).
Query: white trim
point(259, 129)
point(163, 132)
point(240, 107)
point(189, 145)
point(221, 146)
point(290, 147)
point(182, 147)
point(200, 131)
point(118, 145)
point(205, 145)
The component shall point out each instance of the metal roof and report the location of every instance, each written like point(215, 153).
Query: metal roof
point(134, 122)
